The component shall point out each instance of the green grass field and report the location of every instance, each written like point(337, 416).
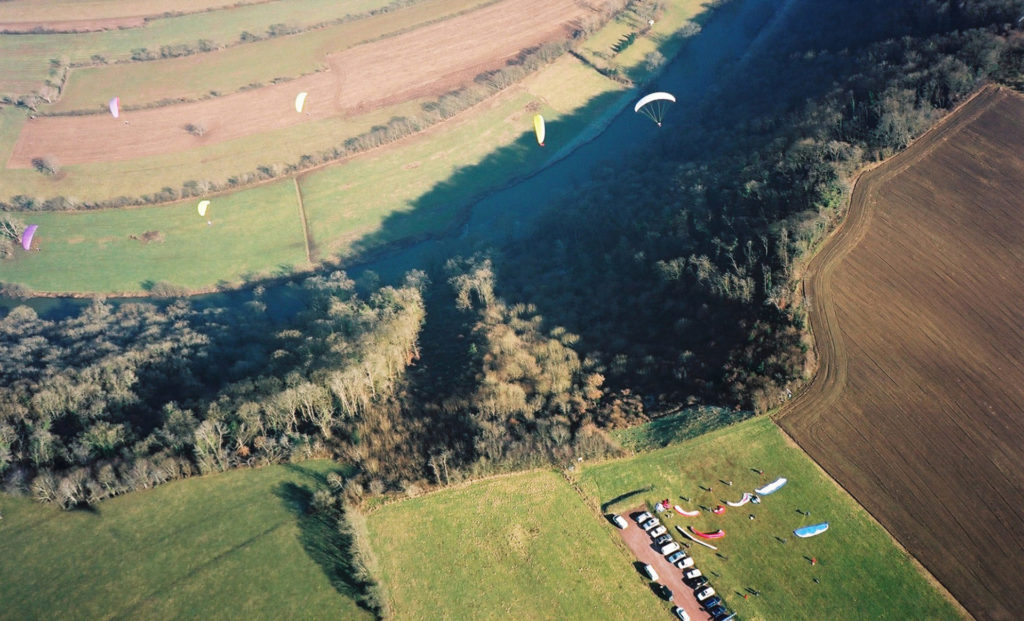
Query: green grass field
point(227, 71)
point(25, 59)
point(256, 232)
point(862, 574)
point(514, 547)
point(229, 546)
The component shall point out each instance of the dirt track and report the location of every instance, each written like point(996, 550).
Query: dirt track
point(428, 61)
point(918, 405)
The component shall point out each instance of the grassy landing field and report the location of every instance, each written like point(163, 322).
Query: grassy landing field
point(253, 233)
point(234, 545)
point(861, 573)
point(515, 547)
point(229, 70)
point(25, 58)
point(15, 11)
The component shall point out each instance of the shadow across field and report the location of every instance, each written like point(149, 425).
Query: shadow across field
point(324, 535)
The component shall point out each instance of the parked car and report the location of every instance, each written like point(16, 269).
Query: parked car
point(697, 583)
point(676, 556)
point(662, 540)
point(725, 615)
point(692, 574)
point(658, 531)
point(662, 591)
point(705, 594)
point(686, 563)
point(649, 572)
point(715, 610)
point(712, 602)
point(680, 614)
point(651, 523)
point(620, 521)
point(643, 517)
point(669, 548)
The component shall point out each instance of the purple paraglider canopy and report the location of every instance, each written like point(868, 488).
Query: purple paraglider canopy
point(26, 237)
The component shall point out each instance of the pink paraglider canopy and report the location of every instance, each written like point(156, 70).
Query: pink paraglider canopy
point(26, 237)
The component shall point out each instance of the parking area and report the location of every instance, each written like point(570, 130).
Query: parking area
point(669, 575)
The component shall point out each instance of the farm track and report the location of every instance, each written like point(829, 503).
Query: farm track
point(914, 308)
point(428, 61)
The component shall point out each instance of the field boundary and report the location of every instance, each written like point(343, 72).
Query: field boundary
point(303, 218)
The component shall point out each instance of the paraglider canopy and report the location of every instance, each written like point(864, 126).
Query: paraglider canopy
point(300, 100)
point(538, 128)
point(202, 207)
point(26, 237)
point(115, 107)
point(653, 106)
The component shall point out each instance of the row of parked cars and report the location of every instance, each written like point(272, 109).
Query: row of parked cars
point(692, 576)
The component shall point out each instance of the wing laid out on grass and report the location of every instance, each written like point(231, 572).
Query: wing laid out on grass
point(771, 488)
point(300, 101)
point(718, 534)
point(202, 207)
point(682, 511)
point(654, 106)
point(746, 498)
point(812, 530)
point(26, 237)
point(115, 107)
point(538, 128)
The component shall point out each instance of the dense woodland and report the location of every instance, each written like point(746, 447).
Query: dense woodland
point(660, 284)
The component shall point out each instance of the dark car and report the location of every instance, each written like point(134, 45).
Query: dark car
point(716, 610)
point(662, 591)
point(711, 602)
point(725, 615)
point(663, 540)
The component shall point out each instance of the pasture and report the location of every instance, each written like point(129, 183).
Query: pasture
point(918, 326)
point(521, 546)
point(860, 572)
point(253, 233)
point(238, 544)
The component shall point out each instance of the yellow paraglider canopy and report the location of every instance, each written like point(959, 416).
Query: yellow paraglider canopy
point(202, 207)
point(538, 128)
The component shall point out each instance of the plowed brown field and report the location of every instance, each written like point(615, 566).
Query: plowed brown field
point(427, 61)
point(918, 316)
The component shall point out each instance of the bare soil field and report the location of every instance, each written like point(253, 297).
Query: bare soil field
point(918, 406)
point(427, 61)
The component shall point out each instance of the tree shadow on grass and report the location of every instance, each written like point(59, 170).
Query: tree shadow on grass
point(325, 540)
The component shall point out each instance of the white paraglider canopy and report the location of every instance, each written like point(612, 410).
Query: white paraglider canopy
point(300, 100)
point(653, 106)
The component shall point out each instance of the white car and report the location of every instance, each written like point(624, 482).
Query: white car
point(669, 548)
point(707, 593)
point(680, 613)
point(686, 563)
point(692, 574)
point(650, 573)
point(620, 521)
point(643, 517)
point(651, 523)
point(658, 531)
